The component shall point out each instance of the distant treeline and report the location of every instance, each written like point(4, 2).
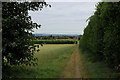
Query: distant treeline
point(101, 37)
point(56, 37)
point(57, 41)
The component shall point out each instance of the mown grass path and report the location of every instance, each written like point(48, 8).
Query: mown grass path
point(74, 67)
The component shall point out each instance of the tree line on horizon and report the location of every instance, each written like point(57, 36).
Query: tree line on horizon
point(101, 38)
point(55, 37)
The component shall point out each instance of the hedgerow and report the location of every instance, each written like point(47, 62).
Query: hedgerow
point(55, 41)
point(101, 37)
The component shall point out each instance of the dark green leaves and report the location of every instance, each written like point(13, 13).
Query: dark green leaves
point(102, 34)
point(17, 27)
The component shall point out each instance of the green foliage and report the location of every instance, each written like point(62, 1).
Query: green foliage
point(56, 37)
point(17, 27)
point(56, 41)
point(96, 69)
point(101, 37)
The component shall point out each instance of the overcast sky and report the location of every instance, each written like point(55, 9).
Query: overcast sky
point(63, 17)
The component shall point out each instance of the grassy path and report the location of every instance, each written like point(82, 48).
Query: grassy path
point(80, 65)
point(74, 68)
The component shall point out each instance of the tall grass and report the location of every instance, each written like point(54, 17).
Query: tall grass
point(96, 69)
point(51, 62)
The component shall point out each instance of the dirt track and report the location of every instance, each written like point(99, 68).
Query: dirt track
point(74, 68)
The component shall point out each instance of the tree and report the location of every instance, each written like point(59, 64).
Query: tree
point(17, 47)
point(101, 37)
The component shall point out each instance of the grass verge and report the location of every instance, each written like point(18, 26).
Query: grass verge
point(96, 69)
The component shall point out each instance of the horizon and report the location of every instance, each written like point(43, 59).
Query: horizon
point(53, 34)
point(57, 33)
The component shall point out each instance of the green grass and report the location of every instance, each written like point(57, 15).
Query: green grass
point(96, 69)
point(51, 63)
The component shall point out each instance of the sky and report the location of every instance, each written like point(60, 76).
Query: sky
point(63, 17)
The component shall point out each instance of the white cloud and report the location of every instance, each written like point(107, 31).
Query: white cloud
point(63, 17)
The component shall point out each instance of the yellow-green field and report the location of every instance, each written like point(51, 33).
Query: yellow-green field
point(51, 62)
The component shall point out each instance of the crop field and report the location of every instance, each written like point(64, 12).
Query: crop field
point(52, 60)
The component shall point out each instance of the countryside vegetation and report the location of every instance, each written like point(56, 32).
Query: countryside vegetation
point(95, 54)
point(56, 40)
point(101, 37)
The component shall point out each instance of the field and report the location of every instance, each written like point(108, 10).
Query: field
point(61, 61)
point(51, 63)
